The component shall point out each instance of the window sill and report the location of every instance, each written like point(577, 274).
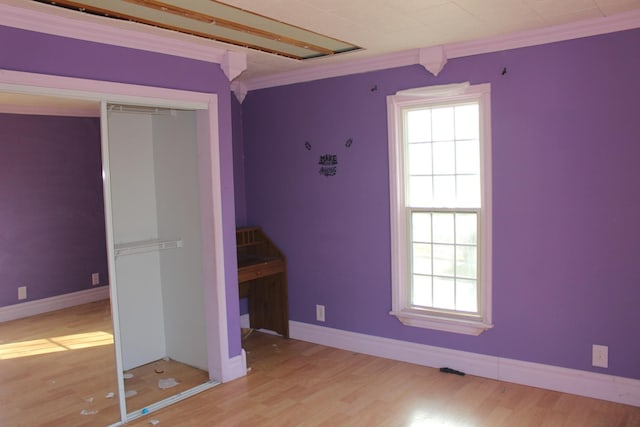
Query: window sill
point(445, 324)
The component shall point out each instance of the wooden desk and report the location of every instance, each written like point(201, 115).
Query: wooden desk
point(262, 278)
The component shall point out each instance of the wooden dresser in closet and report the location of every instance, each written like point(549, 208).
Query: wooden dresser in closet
point(262, 278)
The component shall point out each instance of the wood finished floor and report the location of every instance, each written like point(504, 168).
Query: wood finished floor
point(56, 365)
point(291, 383)
point(68, 376)
point(294, 383)
point(145, 382)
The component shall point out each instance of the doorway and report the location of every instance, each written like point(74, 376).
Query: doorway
point(202, 112)
point(157, 251)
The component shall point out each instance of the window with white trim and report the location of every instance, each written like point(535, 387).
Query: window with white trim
point(440, 204)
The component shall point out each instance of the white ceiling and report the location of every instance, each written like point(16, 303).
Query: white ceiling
point(380, 27)
point(386, 26)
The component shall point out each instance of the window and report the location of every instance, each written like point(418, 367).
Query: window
point(440, 182)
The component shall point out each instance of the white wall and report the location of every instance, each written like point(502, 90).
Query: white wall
point(132, 177)
point(133, 204)
point(178, 207)
point(156, 195)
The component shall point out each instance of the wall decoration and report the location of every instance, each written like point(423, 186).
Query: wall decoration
point(328, 162)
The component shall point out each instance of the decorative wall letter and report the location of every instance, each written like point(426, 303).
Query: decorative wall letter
point(328, 162)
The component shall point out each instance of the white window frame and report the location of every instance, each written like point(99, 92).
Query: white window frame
point(458, 322)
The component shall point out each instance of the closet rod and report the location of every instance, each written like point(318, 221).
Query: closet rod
point(143, 246)
point(140, 109)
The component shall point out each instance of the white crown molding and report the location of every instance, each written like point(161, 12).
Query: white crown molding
point(582, 383)
point(240, 90)
point(433, 59)
point(317, 72)
point(234, 64)
point(576, 30)
point(42, 18)
point(45, 305)
point(425, 56)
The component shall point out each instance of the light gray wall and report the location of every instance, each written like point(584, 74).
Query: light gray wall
point(178, 207)
point(133, 205)
point(156, 195)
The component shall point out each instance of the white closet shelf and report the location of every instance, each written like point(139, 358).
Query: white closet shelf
point(142, 246)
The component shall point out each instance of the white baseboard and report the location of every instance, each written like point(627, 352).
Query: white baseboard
point(45, 305)
point(244, 321)
point(573, 381)
point(235, 368)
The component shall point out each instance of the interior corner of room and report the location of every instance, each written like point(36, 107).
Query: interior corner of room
point(153, 215)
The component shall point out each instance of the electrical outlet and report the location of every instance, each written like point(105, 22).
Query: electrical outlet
point(22, 292)
point(95, 279)
point(320, 313)
point(600, 356)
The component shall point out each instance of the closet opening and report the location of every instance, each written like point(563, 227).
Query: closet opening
point(153, 195)
point(163, 225)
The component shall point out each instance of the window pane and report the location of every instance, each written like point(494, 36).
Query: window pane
point(443, 228)
point(421, 227)
point(467, 120)
point(468, 191)
point(452, 260)
point(420, 191)
point(444, 158)
point(468, 157)
point(466, 228)
point(466, 262)
point(444, 260)
point(422, 258)
point(467, 295)
point(444, 191)
point(421, 291)
point(443, 293)
point(442, 124)
point(419, 126)
point(420, 159)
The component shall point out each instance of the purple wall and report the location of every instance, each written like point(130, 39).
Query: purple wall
point(40, 53)
point(238, 163)
point(51, 207)
point(238, 176)
point(566, 143)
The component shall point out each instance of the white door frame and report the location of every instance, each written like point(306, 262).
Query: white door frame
point(221, 367)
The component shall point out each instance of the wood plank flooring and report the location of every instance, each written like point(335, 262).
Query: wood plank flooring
point(52, 369)
point(145, 382)
point(291, 383)
point(57, 369)
point(294, 383)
